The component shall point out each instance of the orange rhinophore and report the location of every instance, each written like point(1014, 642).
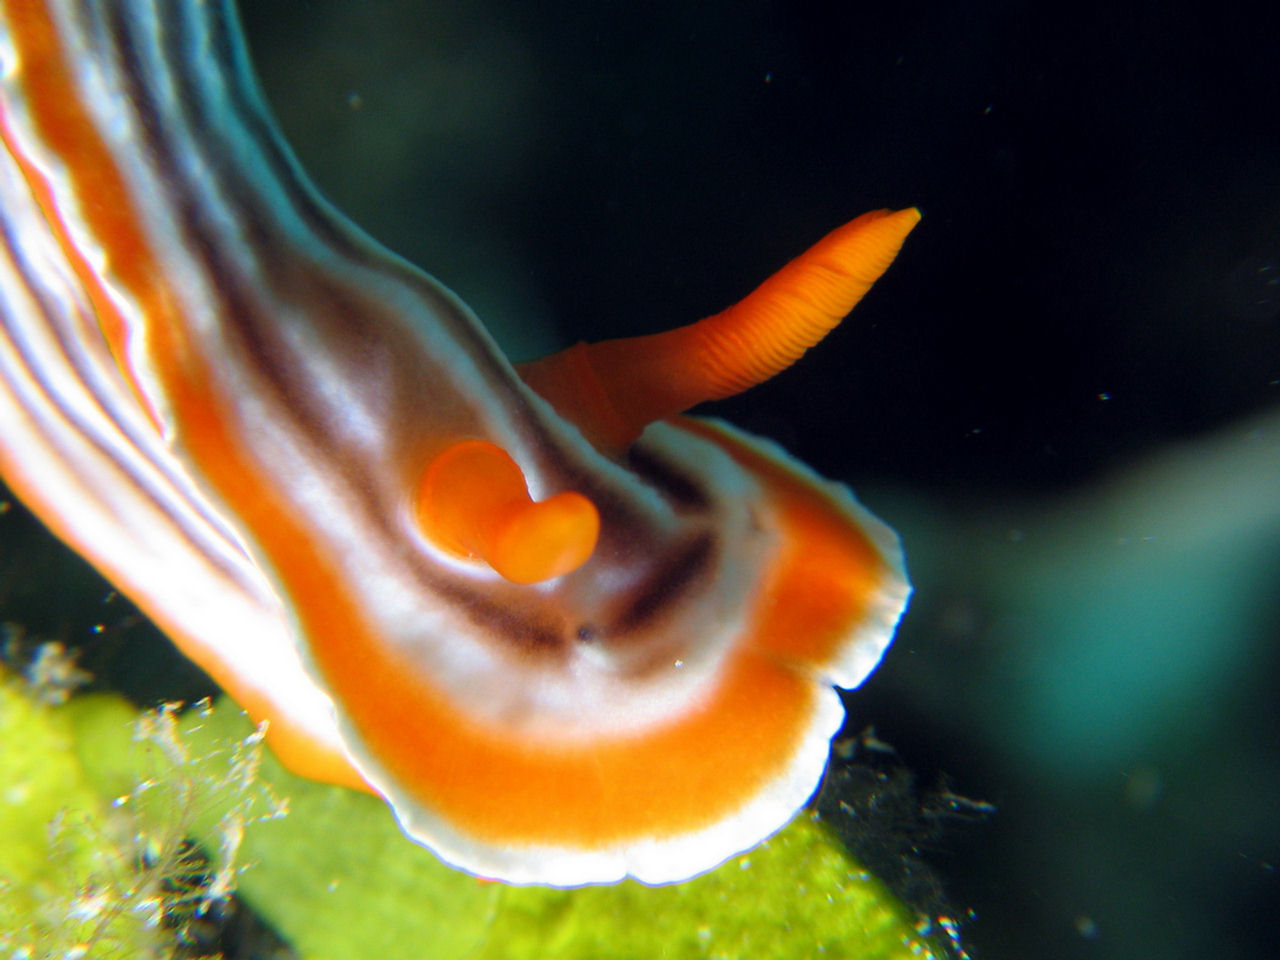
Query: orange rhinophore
point(473, 502)
point(614, 389)
point(569, 635)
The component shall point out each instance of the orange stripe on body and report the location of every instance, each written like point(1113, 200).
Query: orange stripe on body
point(834, 570)
point(67, 129)
point(485, 783)
point(480, 780)
point(677, 778)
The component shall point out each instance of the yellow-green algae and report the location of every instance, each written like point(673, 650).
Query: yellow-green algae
point(70, 884)
point(338, 880)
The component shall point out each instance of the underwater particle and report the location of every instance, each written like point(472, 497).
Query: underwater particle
point(871, 801)
point(1253, 286)
point(48, 667)
point(1264, 865)
point(191, 788)
point(951, 927)
point(53, 675)
point(931, 927)
point(1086, 927)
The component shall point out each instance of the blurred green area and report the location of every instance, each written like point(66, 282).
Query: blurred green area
point(335, 877)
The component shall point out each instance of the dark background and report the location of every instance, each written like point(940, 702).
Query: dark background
point(1065, 393)
point(1089, 178)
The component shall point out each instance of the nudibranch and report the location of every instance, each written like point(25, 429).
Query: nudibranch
point(569, 635)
